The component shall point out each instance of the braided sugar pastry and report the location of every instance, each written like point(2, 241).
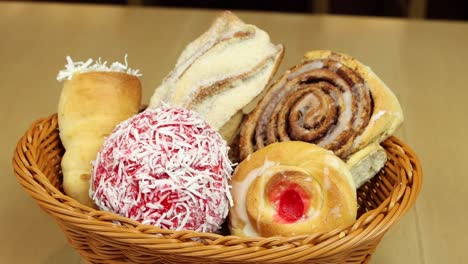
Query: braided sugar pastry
point(291, 188)
point(330, 99)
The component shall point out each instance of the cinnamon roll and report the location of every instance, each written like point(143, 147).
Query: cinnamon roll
point(331, 100)
point(291, 188)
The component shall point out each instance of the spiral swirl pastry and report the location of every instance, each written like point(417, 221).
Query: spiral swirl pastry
point(291, 188)
point(331, 100)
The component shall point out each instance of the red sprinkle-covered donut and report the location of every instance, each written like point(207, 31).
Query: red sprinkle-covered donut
point(164, 167)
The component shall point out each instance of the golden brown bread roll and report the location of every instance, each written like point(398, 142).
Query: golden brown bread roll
point(91, 104)
point(291, 188)
point(331, 100)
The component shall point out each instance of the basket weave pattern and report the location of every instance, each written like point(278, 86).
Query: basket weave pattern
point(102, 237)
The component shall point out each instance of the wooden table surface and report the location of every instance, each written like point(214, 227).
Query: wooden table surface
point(425, 63)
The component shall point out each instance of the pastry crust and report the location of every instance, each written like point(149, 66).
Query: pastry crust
point(330, 195)
point(387, 114)
point(329, 99)
point(91, 104)
point(366, 163)
point(230, 130)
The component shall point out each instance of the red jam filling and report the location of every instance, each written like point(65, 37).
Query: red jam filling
point(291, 206)
point(290, 200)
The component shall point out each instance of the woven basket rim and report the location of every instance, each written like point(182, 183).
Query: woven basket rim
point(369, 225)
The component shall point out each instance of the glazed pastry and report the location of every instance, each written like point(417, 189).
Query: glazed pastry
point(164, 167)
point(291, 188)
point(94, 99)
point(221, 71)
point(331, 100)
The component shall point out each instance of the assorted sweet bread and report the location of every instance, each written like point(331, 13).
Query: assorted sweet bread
point(219, 140)
point(291, 188)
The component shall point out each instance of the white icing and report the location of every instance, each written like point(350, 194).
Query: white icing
point(240, 193)
point(317, 64)
point(377, 116)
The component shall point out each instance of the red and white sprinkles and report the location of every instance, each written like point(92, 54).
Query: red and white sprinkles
point(164, 167)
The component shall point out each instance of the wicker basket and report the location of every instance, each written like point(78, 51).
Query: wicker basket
point(102, 237)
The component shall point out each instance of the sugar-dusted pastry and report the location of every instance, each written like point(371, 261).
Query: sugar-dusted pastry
point(331, 100)
point(221, 71)
point(291, 188)
point(94, 99)
point(164, 167)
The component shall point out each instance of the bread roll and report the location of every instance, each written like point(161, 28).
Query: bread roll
point(221, 71)
point(291, 188)
point(91, 104)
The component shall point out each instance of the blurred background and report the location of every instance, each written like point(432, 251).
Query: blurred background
point(415, 9)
